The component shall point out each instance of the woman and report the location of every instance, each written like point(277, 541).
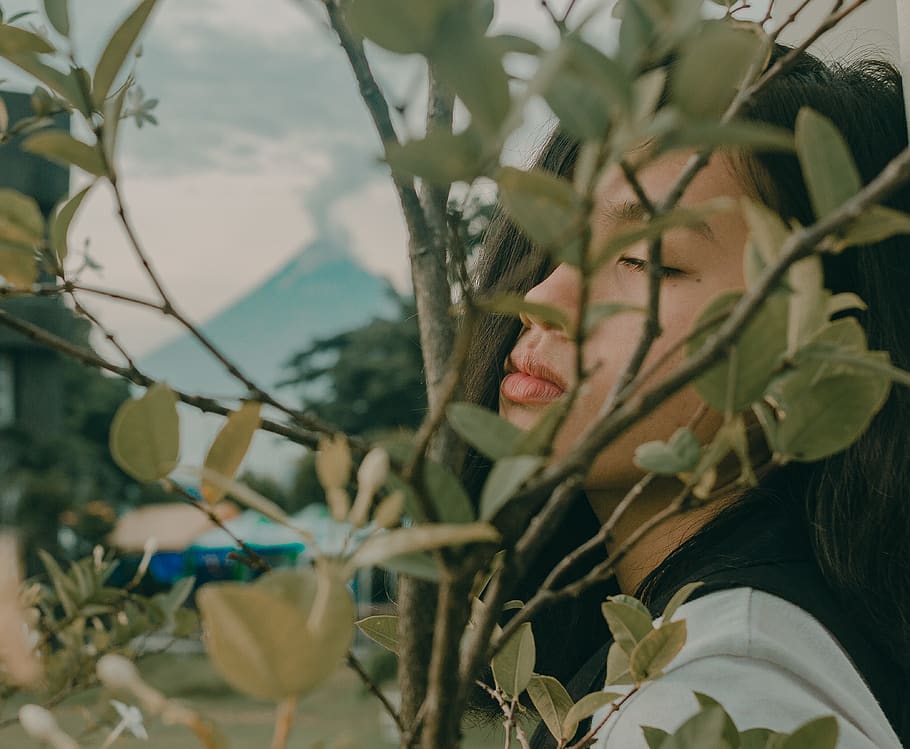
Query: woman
point(806, 607)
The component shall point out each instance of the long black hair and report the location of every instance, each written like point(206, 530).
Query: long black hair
point(855, 504)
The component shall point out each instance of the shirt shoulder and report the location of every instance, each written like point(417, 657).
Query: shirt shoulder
point(768, 662)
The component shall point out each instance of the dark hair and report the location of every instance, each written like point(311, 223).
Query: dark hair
point(854, 504)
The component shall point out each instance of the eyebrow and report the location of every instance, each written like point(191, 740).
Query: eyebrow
point(631, 211)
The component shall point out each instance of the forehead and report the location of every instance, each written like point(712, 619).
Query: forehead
point(657, 179)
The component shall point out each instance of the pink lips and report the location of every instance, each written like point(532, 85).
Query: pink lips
point(524, 388)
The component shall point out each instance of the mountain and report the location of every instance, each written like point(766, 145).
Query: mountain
point(320, 292)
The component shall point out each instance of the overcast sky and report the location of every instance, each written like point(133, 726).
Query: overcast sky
point(259, 118)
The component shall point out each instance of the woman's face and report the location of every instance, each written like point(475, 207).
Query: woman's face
point(699, 263)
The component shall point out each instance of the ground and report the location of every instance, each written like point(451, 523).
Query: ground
point(340, 710)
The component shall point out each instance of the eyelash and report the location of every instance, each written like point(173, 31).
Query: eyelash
point(641, 266)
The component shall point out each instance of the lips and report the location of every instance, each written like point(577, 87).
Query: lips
point(530, 381)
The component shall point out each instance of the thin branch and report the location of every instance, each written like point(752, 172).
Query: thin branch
point(105, 331)
point(254, 560)
point(355, 665)
point(595, 729)
point(203, 403)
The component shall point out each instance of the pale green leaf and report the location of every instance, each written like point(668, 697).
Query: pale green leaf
point(145, 434)
point(60, 83)
point(113, 112)
point(875, 224)
point(545, 207)
point(400, 26)
point(248, 628)
point(585, 708)
point(759, 350)
point(617, 666)
point(60, 224)
point(656, 650)
point(440, 158)
point(246, 496)
point(505, 478)
point(15, 41)
point(383, 546)
point(539, 438)
point(680, 453)
point(757, 137)
point(551, 700)
point(827, 164)
point(230, 447)
point(21, 222)
point(471, 66)
point(18, 265)
point(756, 738)
point(513, 665)
point(712, 67)
point(513, 304)
point(808, 301)
point(421, 566)
point(483, 429)
point(730, 732)
point(118, 48)
point(704, 730)
point(57, 13)
point(654, 737)
point(447, 494)
point(382, 630)
point(678, 599)
point(821, 733)
point(63, 148)
point(628, 624)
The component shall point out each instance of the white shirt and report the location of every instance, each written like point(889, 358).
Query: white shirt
point(768, 662)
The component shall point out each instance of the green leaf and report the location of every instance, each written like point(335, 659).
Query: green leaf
point(383, 630)
point(767, 234)
point(545, 207)
point(113, 112)
point(875, 224)
point(656, 650)
point(828, 417)
point(60, 224)
point(759, 350)
point(471, 66)
point(808, 301)
point(65, 149)
point(230, 447)
point(440, 158)
point(248, 628)
point(678, 599)
point(62, 584)
point(551, 700)
point(400, 26)
point(505, 478)
point(713, 65)
point(587, 89)
point(513, 304)
point(539, 438)
point(483, 429)
point(628, 624)
point(680, 453)
point(704, 730)
point(18, 265)
point(60, 83)
point(444, 491)
point(418, 565)
point(585, 708)
point(654, 737)
point(635, 34)
point(381, 547)
point(730, 732)
point(506, 44)
point(15, 41)
point(117, 49)
point(145, 434)
point(757, 137)
point(21, 222)
point(756, 738)
point(513, 665)
point(57, 13)
point(820, 733)
point(617, 666)
point(827, 164)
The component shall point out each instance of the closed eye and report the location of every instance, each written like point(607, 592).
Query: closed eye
point(641, 266)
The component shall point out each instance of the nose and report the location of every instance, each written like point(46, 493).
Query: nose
point(559, 290)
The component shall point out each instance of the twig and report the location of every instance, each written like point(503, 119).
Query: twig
point(105, 331)
point(203, 403)
point(284, 719)
point(614, 707)
point(368, 682)
point(254, 560)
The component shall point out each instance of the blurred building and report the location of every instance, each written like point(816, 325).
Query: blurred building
point(31, 394)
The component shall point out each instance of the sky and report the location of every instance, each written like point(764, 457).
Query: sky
point(260, 122)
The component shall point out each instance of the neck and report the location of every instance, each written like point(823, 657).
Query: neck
point(647, 551)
